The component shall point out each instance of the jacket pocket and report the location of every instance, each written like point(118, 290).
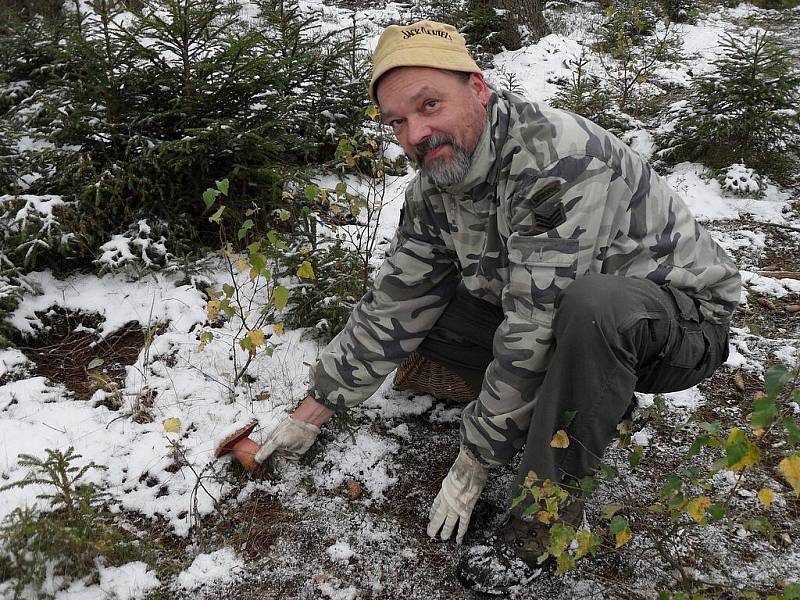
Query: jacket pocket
point(541, 268)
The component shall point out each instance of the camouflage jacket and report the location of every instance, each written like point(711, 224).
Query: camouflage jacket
point(549, 197)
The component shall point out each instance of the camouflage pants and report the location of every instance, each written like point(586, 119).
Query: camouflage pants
point(613, 336)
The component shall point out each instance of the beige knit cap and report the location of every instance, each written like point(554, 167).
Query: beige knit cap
point(421, 44)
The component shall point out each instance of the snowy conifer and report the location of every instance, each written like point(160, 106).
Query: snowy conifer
point(744, 112)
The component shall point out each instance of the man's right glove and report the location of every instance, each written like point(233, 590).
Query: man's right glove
point(290, 439)
point(456, 500)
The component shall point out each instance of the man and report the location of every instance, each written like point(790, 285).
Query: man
point(584, 275)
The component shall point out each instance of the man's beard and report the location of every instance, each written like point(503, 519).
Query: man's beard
point(443, 171)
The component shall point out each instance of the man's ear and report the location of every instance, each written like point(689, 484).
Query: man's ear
point(478, 85)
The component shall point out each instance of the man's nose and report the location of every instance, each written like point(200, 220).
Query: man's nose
point(418, 130)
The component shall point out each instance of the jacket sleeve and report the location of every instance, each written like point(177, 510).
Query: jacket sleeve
point(410, 292)
point(555, 221)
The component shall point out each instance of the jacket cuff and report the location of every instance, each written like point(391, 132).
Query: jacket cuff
point(332, 406)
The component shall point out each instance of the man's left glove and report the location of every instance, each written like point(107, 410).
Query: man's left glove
point(290, 439)
point(456, 500)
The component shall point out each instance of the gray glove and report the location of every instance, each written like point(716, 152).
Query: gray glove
point(290, 439)
point(456, 500)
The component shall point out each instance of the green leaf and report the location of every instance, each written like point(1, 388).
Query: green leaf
point(217, 216)
point(284, 215)
point(254, 247)
point(305, 271)
point(209, 196)
point(618, 523)
point(206, 336)
point(222, 186)
point(608, 471)
point(311, 192)
point(561, 537)
point(275, 240)
point(740, 452)
point(758, 524)
point(609, 510)
point(791, 592)
point(671, 487)
point(775, 379)
point(343, 149)
point(341, 188)
point(764, 411)
point(258, 263)
point(711, 428)
point(588, 485)
point(792, 431)
point(517, 500)
point(280, 297)
point(698, 444)
point(228, 289)
point(716, 512)
point(246, 226)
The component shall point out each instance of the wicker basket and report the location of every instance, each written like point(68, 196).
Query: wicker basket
point(425, 376)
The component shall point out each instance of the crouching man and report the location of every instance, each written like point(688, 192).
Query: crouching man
point(540, 268)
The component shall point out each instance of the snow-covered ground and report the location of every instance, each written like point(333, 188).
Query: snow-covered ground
point(367, 546)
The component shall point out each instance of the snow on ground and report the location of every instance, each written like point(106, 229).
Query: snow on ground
point(708, 202)
point(216, 567)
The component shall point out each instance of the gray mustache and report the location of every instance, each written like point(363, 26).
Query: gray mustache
point(430, 143)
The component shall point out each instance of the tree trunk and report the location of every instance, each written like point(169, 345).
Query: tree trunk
point(529, 14)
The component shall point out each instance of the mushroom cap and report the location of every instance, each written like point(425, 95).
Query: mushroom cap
point(227, 444)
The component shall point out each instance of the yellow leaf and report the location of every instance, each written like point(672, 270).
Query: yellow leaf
point(790, 469)
point(742, 449)
point(560, 439)
point(201, 346)
point(544, 517)
point(253, 274)
point(697, 508)
point(588, 541)
point(530, 479)
point(277, 328)
point(623, 537)
point(242, 264)
point(766, 496)
point(256, 337)
point(212, 309)
point(305, 271)
point(172, 425)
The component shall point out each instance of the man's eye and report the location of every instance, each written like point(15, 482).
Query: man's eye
point(431, 104)
point(394, 123)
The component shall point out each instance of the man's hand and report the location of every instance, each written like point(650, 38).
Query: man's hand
point(455, 501)
point(296, 433)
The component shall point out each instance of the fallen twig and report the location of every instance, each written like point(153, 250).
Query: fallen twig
point(777, 225)
point(780, 274)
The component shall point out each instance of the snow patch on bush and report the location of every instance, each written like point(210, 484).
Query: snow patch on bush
point(741, 181)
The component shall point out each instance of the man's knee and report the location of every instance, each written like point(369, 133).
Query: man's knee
point(597, 299)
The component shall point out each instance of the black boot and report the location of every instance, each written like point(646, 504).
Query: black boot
point(510, 557)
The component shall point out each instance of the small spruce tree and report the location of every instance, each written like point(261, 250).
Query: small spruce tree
point(744, 112)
